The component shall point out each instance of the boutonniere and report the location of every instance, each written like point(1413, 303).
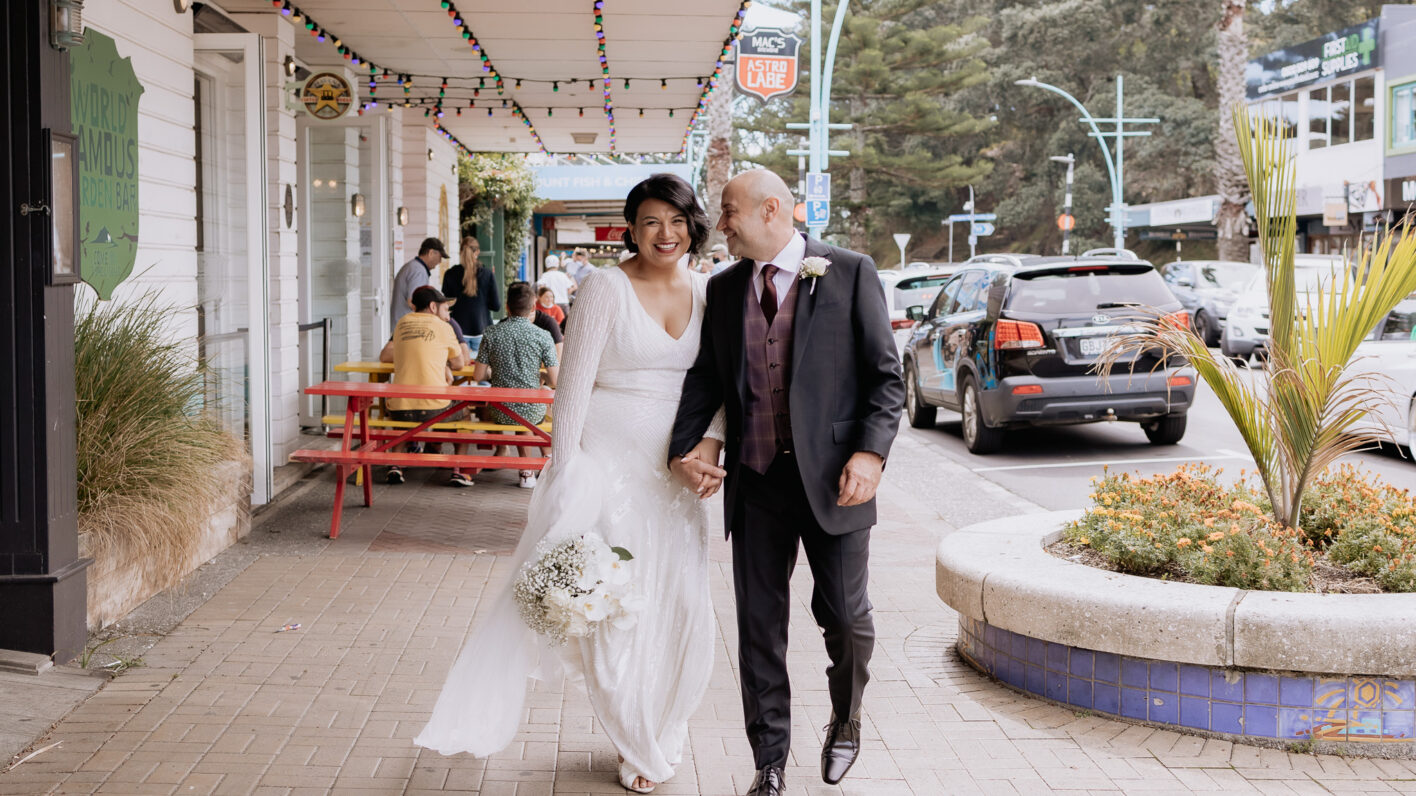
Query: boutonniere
point(813, 268)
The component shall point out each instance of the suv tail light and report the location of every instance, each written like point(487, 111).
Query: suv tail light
point(1177, 320)
point(1016, 334)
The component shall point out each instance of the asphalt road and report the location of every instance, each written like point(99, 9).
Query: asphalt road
point(1052, 466)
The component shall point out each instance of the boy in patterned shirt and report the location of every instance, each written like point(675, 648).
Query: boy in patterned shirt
point(512, 355)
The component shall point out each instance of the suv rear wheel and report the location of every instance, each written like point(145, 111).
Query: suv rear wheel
point(1167, 430)
point(921, 414)
point(978, 437)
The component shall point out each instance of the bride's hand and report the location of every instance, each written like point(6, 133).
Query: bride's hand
point(698, 469)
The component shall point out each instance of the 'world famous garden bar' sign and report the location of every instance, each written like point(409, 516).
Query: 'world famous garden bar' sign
point(104, 95)
point(1325, 58)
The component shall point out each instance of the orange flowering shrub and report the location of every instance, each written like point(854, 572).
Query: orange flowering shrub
point(1375, 527)
point(1187, 520)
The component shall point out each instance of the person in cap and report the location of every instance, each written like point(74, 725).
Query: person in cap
point(424, 351)
point(558, 282)
point(414, 274)
point(721, 258)
point(580, 266)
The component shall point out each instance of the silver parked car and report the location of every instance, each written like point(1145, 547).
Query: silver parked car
point(1246, 330)
point(1207, 288)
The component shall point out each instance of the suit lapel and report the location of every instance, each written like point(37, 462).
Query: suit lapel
point(736, 284)
point(805, 307)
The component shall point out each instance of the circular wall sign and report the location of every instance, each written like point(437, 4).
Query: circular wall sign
point(327, 96)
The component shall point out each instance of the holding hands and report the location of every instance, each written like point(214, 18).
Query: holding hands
point(698, 469)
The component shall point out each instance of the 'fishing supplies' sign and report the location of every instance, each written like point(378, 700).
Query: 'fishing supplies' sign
point(767, 63)
point(104, 93)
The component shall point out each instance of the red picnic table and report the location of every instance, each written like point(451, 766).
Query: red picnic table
point(376, 444)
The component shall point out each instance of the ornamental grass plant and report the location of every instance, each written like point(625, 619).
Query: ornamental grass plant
point(148, 455)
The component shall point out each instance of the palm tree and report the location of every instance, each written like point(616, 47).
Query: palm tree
point(1229, 180)
point(1303, 420)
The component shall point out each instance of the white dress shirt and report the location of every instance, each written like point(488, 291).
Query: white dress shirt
point(788, 262)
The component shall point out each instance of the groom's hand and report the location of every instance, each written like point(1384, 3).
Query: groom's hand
point(698, 469)
point(859, 478)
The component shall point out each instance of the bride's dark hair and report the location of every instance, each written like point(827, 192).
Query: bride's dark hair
point(674, 190)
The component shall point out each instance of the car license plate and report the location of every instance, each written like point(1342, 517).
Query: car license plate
point(1092, 346)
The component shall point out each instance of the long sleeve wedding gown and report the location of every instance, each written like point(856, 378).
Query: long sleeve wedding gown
point(614, 411)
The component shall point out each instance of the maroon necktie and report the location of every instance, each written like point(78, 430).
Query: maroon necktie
point(769, 292)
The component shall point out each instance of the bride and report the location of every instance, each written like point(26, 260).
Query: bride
point(634, 333)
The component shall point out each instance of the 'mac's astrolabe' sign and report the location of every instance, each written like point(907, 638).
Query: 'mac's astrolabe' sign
point(327, 96)
point(767, 63)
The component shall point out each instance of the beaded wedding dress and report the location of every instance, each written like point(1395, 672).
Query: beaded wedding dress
point(614, 411)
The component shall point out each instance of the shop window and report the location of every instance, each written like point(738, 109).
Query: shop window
point(1364, 109)
point(1288, 115)
point(1403, 115)
point(1340, 113)
point(1318, 113)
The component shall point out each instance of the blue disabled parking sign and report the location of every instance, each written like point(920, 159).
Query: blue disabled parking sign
point(818, 199)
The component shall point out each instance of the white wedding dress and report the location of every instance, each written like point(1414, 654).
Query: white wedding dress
point(614, 411)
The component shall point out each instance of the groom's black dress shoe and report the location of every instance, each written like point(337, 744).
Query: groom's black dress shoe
point(839, 752)
point(769, 781)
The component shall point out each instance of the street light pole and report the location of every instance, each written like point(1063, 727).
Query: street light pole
point(1117, 210)
point(1067, 197)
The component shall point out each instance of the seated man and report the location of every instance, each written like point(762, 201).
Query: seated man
point(512, 355)
point(424, 351)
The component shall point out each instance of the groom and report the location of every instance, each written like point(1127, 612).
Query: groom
point(806, 370)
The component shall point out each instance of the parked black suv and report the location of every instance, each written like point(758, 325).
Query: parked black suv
point(1012, 341)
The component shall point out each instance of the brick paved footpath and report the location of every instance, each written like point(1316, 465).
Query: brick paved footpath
point(226, 705)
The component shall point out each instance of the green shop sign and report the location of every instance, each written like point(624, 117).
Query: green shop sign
point(104, 107)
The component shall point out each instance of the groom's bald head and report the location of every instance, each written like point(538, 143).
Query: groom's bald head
point(757, 214)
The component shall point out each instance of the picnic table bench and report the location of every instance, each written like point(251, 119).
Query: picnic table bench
point(377, 437)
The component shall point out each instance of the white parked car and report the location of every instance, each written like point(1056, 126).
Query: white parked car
point(1246, 329)
point(916, 285)
point(1390, 352)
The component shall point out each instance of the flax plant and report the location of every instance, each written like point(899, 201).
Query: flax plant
point(1303, 421)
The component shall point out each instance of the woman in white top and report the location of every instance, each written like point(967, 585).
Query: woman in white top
point(635, 334)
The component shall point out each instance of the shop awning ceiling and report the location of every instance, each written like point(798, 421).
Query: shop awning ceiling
point(647, 41)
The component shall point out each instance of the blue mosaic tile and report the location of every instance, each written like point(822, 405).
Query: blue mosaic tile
point(1108, 667)
point(1296, 692)
point(1133, 673)
point(1194, 712)
point(1012, 672)
point(1222, 689)
point(1163, 676)
point(1080, 664)
point(1037, 651)
point(1260, 720)
point(1365, 693)
point(1057, 657)
point(1079, 692)
point(990, 636)
point(1295, 723)
point(1133, 703)
point(1194, 680)
point(1330, 693)
point(1364, 725)
point(1164, 708)
point(1034, 679)
point(1056, 686)
point(1226, 717)
point(1106, 698)
point(1399, 694)
point(1261, 688)
point(1399, 724)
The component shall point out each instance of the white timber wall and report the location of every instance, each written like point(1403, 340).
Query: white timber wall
point(424, 181)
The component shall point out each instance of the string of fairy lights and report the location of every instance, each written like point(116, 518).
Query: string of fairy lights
point(468, 90)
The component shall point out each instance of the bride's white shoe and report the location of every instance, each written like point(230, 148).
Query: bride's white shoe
point(628, 776)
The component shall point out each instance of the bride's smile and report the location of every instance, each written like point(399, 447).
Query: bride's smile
point(662, 233)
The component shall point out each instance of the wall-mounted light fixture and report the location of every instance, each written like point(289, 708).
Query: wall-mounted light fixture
point(356, 205)
point(181, 6)
point(402, 216)
point(66, 23)
point(289, 66)
point(430, 153)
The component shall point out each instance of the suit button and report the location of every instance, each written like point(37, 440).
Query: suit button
point(773, 365)
point(771, 341)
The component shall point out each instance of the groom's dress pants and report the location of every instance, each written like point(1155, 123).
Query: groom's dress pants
point(775, 518)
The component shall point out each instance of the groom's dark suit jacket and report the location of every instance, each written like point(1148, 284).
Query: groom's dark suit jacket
point(846, 390)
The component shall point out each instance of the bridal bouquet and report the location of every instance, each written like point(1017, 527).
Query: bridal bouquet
point(574, 585)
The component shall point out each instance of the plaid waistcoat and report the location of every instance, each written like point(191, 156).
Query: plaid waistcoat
point(767, 427)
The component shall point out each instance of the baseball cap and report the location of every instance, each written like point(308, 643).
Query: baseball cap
point(552, 261)
point(719, 247)
point(427, 294)
point(433, 244)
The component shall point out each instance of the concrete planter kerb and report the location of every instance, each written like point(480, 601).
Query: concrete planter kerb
point(1338, 670)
